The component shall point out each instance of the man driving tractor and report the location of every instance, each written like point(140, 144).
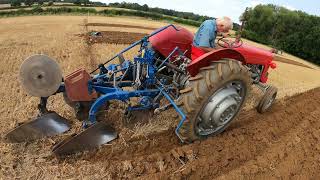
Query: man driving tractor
point(204, 39)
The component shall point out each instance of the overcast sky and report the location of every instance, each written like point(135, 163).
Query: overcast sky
point(231, 8)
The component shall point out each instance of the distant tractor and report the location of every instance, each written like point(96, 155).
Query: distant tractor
point(207, 92)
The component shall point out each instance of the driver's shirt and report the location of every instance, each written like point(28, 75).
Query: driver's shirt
point(206, 34)
point(205, 37)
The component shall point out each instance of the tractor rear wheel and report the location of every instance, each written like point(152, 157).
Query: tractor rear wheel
point(213, 98)
point(267, 99)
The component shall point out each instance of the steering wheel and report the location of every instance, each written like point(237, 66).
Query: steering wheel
point(222, 42)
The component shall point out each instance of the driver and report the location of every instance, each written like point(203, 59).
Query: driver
point(204, 39)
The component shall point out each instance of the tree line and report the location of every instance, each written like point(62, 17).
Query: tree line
point(18, 3)
point(295, 32)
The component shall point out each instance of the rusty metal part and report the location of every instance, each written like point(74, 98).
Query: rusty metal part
point(40, 76)
point(49, 124)
point(96, 135)
point(76, 85)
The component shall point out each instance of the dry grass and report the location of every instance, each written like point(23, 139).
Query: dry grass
point(56, 36)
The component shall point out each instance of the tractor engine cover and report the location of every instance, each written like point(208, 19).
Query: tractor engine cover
point(168, 39)
point(76, 85)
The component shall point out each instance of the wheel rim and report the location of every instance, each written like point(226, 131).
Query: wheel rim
point(220, 108)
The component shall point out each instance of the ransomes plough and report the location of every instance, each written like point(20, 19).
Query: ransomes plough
point(207, 92)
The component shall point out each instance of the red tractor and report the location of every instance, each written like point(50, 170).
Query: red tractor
point(218, 82)
point(207, 92)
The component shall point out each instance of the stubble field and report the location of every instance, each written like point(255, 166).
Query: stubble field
point(281, 143)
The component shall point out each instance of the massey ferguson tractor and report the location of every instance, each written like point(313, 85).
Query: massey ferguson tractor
point(206, 92)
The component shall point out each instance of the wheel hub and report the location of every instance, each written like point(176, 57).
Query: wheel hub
point(226, 114)
point(221, 108)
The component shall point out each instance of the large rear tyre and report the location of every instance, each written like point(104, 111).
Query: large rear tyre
point(213, 98)
point(267, 99)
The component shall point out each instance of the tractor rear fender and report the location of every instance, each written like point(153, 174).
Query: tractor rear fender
point(246, 54)
point(206, 59)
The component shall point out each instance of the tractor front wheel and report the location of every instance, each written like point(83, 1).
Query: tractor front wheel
point(267, 99)
point(213, 98)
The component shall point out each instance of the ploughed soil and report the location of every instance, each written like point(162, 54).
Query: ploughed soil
point(113, 37)
point(283, 142)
